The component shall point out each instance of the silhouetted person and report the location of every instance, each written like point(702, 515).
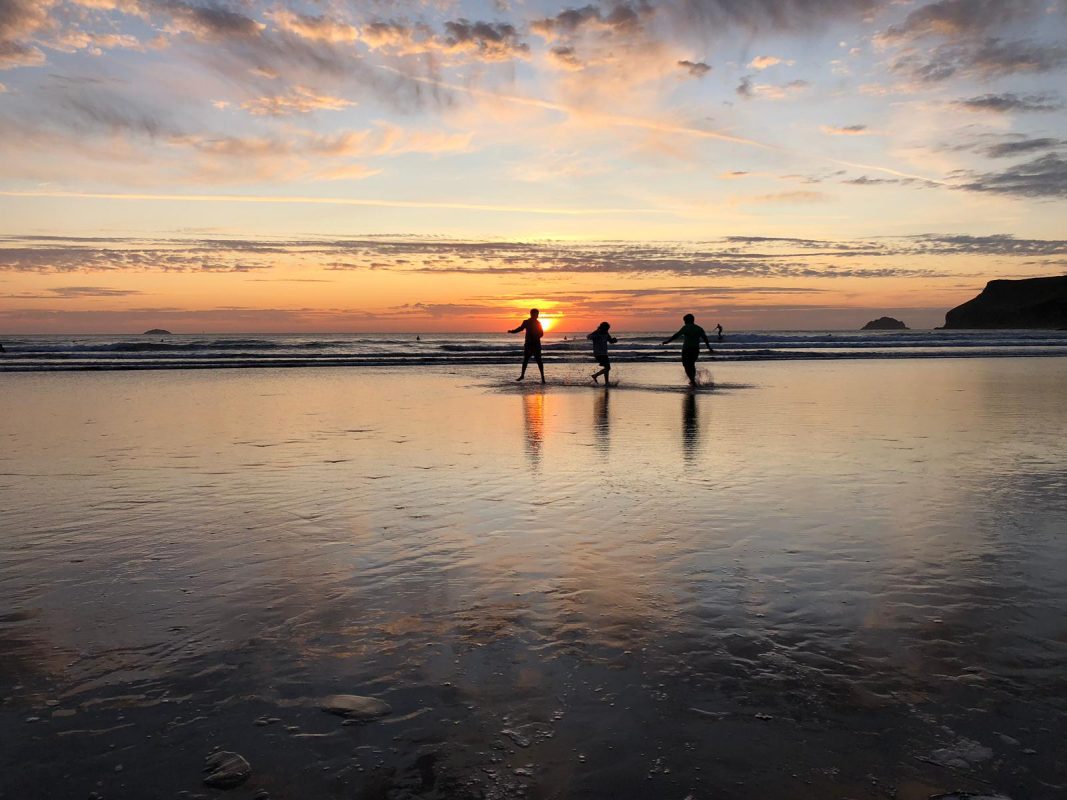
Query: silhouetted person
point(691, 334)
point(531, 348)
point(718, 330)
point(600, 338)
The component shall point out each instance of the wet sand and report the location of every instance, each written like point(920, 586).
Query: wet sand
point(817, 580)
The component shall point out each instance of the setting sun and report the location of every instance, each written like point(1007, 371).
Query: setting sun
point(547, 323)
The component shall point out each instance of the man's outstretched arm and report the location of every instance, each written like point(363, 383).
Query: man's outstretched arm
point(668, 341)
point(521, 327)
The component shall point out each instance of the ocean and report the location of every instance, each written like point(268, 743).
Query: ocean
point(187, 351)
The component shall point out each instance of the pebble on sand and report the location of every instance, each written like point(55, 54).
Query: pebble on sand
point(355, 706)
point(516, 737)
point(226, 770)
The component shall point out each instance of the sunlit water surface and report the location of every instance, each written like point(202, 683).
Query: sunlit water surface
point(814, 580)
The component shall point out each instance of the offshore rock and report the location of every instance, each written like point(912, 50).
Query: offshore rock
point(157, 332)
point(1029, 303)
point(885, 324)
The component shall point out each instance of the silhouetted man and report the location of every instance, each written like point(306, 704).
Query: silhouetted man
point(691, 334)
point(531, 348)
point(718, 330)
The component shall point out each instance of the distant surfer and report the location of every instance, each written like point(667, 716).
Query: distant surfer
point(692, 334)
point(418, 338)
point(531, 348)
point(601, 337)
point(718, 331)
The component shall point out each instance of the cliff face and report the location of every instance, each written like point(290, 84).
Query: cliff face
point(1031, 303)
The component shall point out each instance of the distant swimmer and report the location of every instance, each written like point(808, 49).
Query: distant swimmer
point(600, 338)
point(418, 338)
point(691, 334)
point(718, 330)
point(531, 348)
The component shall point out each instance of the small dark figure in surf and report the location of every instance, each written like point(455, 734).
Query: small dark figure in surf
point(418, 338)
point(600, 338)
point(691, 334)
point(718, 330)
point(531, 348)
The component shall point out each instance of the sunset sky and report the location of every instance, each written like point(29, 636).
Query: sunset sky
point(341, 165)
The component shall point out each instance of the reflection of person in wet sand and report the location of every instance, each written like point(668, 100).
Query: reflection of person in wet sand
point(691, 334)
point(533, 417)
point(690, 426)
point(601, 423)
point(600, 338)
point(531, 348)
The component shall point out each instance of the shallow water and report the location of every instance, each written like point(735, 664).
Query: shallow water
point(841, 579)
point(56, 352)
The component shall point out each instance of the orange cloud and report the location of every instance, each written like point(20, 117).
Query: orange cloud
point(320, 29)
point(299, 100)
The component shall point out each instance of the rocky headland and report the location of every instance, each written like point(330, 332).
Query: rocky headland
point(1028, 303)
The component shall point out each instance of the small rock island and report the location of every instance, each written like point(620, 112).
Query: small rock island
point(1028, 303)
point(885, 324)
point(157, 332)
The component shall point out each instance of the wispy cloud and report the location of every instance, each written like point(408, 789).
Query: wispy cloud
point(77, 293)
point(845, 130)
point(318, 28)
point(765, 62)
point(729, 257)
point(563, 211)
point(1044, 177)
point(1022, 145)
point(299, 100)
point(1008, 101)
point(696, 69)
point(748, 89)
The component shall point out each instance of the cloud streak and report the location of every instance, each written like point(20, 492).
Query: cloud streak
point(729, 257)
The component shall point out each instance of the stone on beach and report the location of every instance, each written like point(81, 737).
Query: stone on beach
point(226, 770)
point(963, 754)
point(515, 736)
point(355, 706)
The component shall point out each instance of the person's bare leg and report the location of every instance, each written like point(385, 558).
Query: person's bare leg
point(541, 366)
point(598, 373)
point(525, 361)
point(691, 371)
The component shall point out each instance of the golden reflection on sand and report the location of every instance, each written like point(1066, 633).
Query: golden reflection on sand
point(533, 418)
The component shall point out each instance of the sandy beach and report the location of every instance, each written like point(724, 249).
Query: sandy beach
point(815, 580)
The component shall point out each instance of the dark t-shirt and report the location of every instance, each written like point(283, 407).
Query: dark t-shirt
point(692, 335)
point(600, 341)
point(534, 332)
